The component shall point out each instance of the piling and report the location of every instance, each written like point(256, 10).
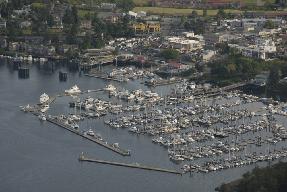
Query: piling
point(63, 76)
point(23, 73)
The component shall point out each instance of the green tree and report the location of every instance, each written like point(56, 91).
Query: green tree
point(221, 13)
point(169, 54)
point(269, 24)
point(273, 80)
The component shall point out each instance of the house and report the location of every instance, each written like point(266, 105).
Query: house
point(3, 42)
point(108, 6)
point(207, 55)
point(25, 24)
point(113, 18)
point(65, 48)
point(149, 27)
point(262, 49)
point(86, 24)
point(3, 24)
point(184, 45)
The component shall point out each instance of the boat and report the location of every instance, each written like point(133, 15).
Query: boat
point(74, 90)
point(42, 117)
point(44, 98)
point(110, 88)
point(90, 132)
point(75, 126)
point(44, 108)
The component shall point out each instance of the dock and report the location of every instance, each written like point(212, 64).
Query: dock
point(135, 165)
point(104, 77)
point(162, 82)
point(118, 150)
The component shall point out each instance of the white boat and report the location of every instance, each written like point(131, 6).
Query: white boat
point(90, 132)
point(42, 117)
point(74, 90)
point(44, 108)
point(44, 98)
point(110, 88)
point(75, 126)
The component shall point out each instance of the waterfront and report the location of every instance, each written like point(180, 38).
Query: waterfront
point(38, 156)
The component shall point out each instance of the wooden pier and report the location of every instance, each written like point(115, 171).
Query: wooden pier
point(136, 165)
point(118, 150)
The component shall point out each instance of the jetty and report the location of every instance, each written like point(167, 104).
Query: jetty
point(130, 165)
point(118, 150)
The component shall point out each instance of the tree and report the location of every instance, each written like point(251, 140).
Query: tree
point(126, 5)
point(204, 13)
point(273, 79)
point(221, 13)
point(269, 24)
point(169, 54)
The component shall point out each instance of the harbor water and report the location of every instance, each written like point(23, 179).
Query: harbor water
point(40, 156)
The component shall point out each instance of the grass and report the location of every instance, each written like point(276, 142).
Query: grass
point(27, 31)
point(82, 13)
point(141, 3)
point(38, 5)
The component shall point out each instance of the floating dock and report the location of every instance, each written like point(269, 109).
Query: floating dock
point(136, 166)
point(162, 82)
point(118, 150)
point(104, 77)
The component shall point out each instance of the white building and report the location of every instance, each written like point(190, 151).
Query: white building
point(183, 44)
point(262, 49)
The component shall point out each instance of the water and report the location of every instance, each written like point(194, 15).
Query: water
point(39, 156)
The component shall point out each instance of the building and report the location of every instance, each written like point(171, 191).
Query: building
point(3, 24)
point(184, 45)
point(86, 24)
point(149, 27)
point(262, 49)
point(207, 55)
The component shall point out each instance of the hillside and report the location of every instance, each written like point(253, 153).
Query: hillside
point(269, 179)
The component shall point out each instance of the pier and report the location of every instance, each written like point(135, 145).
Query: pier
point(162, 82)
point(100, 142)
point(136, 165)
point(104, 77)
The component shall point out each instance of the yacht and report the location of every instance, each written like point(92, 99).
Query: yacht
point(74, 90)
point(44, 98)
point(110, 88)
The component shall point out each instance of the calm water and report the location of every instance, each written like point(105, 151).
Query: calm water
point(37, 156)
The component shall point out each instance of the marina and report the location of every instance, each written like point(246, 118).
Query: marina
point(203, 128)
point(193, 132)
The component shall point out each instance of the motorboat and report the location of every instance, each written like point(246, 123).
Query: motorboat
point(44, 108)
point(90, 132)
point(110, 88)
point(42, 117)
point(44, 98)
point(74, 90)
